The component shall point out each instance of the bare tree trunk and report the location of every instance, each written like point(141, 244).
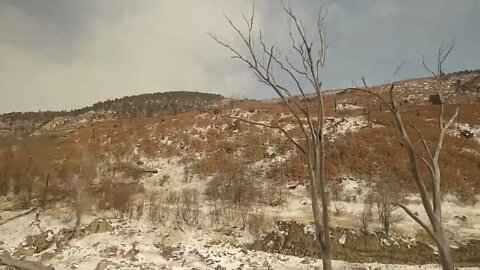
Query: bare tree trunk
point(45, 192)
point(265, 62)
point(432, 206)
point(433, 213)
point(78, 211)
point(320, 207)
point(327, 264)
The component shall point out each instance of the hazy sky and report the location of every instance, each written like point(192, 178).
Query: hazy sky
point(68, 54)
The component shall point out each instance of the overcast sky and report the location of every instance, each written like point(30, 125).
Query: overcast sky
point(69, 54)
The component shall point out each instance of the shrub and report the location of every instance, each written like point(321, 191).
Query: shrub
point(189, 209)
point(235, 187)
point(128, 170)
point(257, 223)
point(117, 195)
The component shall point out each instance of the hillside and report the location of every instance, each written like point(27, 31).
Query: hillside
point(145, 105)
point(195, 188)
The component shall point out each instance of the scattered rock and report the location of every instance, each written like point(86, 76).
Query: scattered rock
point(100, 225)
point(306, 261)
point(103, 264)
point(63, 237)
point(292, 186)
point(466, 133)
point(110, 251)
point(41, 241)
point(235, 125)
point(48, 255)
point(132, 253)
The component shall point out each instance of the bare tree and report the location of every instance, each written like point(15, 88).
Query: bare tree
point(268, 64)
point(87, 172)
point(386, 209)
point(336, 194)
point(433, 204)
point(365, 218)
point(5, 171)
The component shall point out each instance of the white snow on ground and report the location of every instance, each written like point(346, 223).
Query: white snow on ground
point(348, 107)
point(168, 168)
point(204, 247)
point(159, 247)
point(298, 204)
point(457, 129)
point(335, 127)
point(298, 208)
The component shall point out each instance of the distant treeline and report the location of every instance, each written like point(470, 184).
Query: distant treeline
point(145, 105)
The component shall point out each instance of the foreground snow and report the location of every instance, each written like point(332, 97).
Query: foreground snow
point(160, 248)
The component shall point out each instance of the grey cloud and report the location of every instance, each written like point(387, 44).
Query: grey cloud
point(67, 54)
point(54, 28)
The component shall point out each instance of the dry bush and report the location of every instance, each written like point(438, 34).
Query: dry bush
point(293, 169)
point(215, 214)
point(235, 187)
point(336, 196)
point(189, 208)
point(218, 162)
point(273, 194)
point(368, 150)
point(117, 195)
point(163, 180)
point(386, 208)
point(159, 212)
point(257, 223)
point(225, 216)
point(255, 148)
point(172, 197)
point(366, 216)
point(128, 170)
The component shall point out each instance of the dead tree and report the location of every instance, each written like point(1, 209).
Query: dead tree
point(386, 209)
point(433, 204)
point(86, 174)
point(268, 64)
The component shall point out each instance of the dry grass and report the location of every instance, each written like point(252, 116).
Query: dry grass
point(225, 148)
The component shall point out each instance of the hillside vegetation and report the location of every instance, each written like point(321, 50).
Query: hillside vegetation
point(145, 105)
point(181, 163)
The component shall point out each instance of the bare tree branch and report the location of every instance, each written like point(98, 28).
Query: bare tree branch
point(301, 148)
point(427, 68)
point(418, 220)
point(18, 216)
point(268, 65)
point(422, 139)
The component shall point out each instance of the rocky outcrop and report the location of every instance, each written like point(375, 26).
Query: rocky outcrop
point(293, 238)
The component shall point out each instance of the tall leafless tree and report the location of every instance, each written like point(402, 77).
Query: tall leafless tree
point(432, 204)
point(268, 64)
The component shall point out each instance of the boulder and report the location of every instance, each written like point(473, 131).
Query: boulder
point(41, 241)
point(100, 225)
